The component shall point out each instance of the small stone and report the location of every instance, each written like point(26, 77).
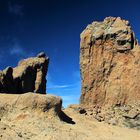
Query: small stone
point(19, 134)
point(132, 114)
point(82, 111)
point(112, 121)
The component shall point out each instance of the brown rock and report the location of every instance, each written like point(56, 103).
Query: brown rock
point(109, 64)
point(29, 101)
point(28, 76)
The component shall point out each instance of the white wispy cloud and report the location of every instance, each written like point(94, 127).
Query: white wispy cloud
point(15, 9)
point(16, 49)
point(61, 86)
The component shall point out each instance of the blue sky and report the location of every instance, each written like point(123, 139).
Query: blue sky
point(54, 26)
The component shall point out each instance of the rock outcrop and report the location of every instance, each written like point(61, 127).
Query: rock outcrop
point(28, 76)
point(109, 60)
point(110, 71)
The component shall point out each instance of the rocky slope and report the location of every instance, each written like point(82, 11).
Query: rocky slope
point(28, 76)
point(110, 70)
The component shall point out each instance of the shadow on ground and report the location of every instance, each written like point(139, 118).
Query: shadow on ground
point(64, 117)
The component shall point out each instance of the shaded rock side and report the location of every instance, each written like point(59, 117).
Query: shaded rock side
point(109, 64)
point(28, 76)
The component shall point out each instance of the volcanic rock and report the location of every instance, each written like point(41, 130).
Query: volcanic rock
point(109, 64)
point(28, 76)
point(110, 71)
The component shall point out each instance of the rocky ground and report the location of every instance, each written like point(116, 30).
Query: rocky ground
point(39, 117)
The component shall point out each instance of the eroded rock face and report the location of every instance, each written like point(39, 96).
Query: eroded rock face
point(28, 76)
point(110, 64)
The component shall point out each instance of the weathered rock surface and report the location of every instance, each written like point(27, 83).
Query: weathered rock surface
point(110, 71)
point(109, 60)
point(28, 76)
point(17, 103)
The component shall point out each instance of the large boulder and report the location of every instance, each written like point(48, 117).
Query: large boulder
point(28, 76)
point(110, 64)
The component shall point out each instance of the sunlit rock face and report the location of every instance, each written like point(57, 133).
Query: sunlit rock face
point(28, 76)
point(109, 64)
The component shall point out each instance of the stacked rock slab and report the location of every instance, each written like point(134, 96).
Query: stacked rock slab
point(109, 64)
point(28, 76)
